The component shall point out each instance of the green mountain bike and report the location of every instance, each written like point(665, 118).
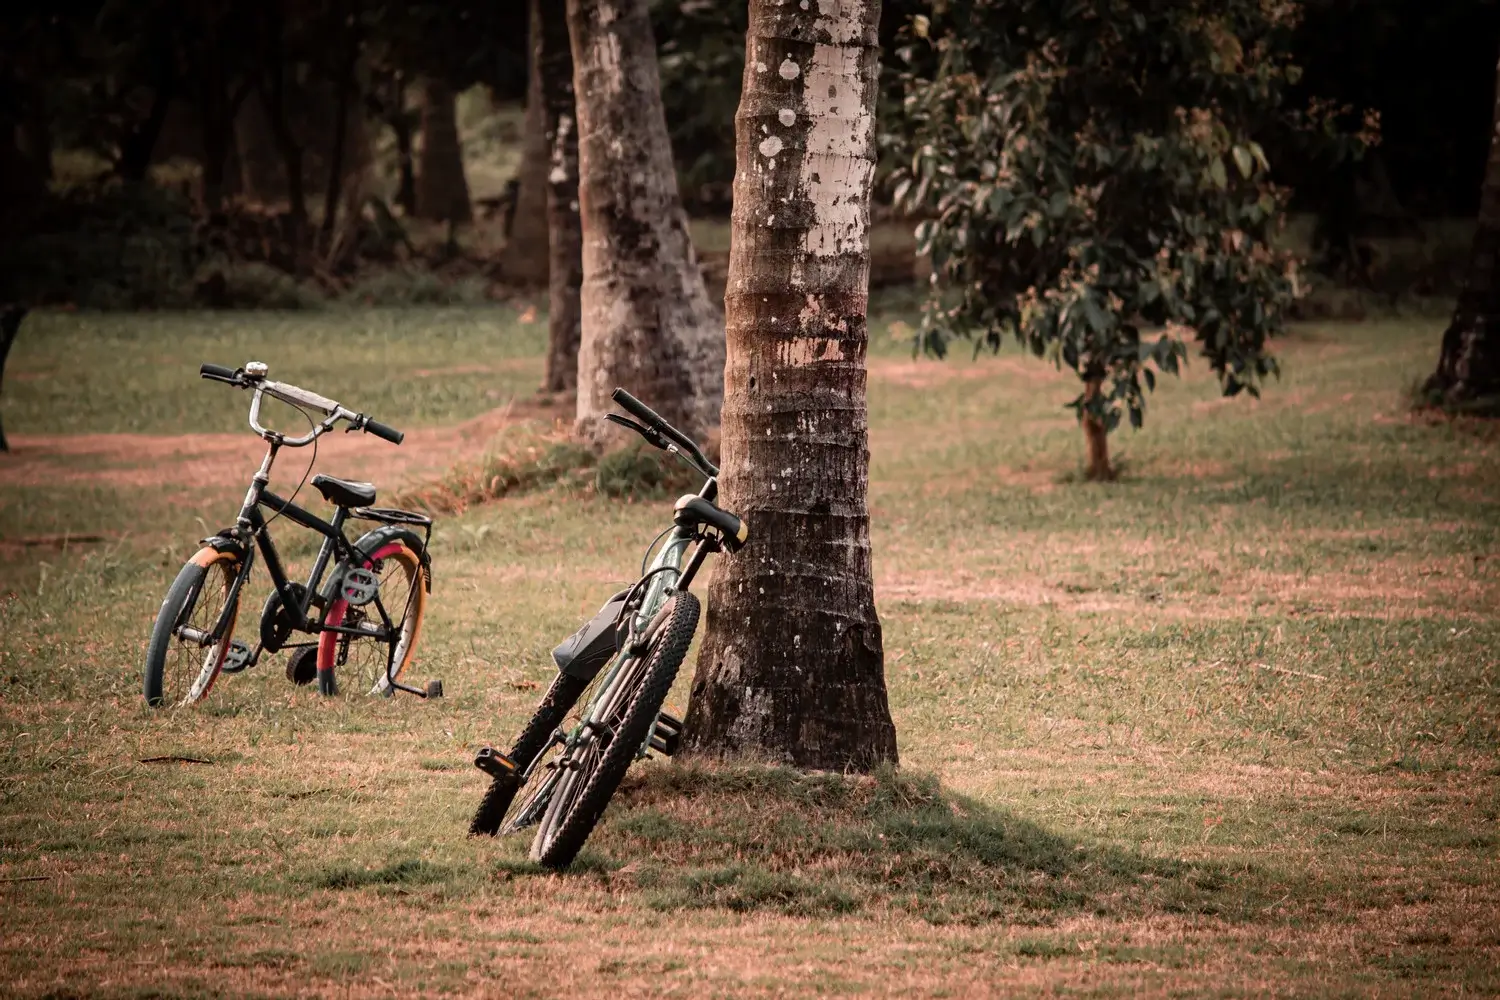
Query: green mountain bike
point(603, 709)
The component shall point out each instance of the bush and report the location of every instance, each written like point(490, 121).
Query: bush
point(117, 246)
point(411, 286)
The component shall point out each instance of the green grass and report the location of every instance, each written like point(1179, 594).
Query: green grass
point(1229, 726)
point(96, 373)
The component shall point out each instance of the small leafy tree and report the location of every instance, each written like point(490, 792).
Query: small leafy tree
point(1092, 184)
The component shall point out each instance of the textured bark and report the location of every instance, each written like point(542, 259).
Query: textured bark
point(1096, 437)
point(522, 262)
point(648, 323)
point(1468, 370)
point(564, 230)
point(792, 666)
point(442, 190)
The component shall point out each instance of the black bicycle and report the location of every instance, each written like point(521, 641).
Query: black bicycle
point(603, 709)
point(364, 620)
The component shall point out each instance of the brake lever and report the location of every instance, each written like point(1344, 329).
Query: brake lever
point(652, 437)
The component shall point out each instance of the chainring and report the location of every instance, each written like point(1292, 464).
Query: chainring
point(277, 622)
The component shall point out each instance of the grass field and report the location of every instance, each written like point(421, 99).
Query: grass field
point(1230, 726)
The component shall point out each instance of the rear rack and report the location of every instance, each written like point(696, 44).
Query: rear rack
point(392, 515)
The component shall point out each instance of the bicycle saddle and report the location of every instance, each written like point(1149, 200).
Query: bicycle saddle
point(344, 492)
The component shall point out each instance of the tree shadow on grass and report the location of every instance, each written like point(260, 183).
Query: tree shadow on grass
point(749, 838)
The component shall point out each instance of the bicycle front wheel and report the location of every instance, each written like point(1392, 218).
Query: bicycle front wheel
point(179, 668)
point(595, 765)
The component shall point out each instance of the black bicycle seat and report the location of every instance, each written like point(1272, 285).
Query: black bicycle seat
point(344, 492)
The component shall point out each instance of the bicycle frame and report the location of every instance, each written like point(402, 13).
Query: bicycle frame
point(251, 523)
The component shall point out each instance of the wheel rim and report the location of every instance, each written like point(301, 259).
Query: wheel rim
point(527, 807)
point(189, 670)
point(536, 795)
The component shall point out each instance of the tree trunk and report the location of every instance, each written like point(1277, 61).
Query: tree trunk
point(564, 230)
point(139, 144)
point(10, 324)
point(1468, 371)
point(400, 121)
point(35, 135)
point(648, 323)
point(1095, 436)
point(338, 168)
point(442, 191)
point(261, 164)
point(792, 666)
point(522, 262)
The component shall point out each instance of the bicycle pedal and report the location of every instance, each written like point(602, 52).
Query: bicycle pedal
point(667, 736)
point(494, 763)
point(239, 657)
point(435, 688)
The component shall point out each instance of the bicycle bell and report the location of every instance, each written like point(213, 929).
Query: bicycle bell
point(256, 369)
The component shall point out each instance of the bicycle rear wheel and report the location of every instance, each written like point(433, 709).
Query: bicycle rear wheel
point(592, 768)
point(361, 658)
point(178, 670)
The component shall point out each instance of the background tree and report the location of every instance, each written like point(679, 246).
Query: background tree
point(564, 229)
point(442, 190)
point(648, 323)
point(1093, 179)
point(1468, 370)
point(810, 688)
point(522, 262)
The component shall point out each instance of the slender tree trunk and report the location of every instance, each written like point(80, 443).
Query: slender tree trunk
point(400, 121)
point(261, 165)
point(334, 197)
point(522, 262)
point(1095, 436)
point(10, 324)
point(648, 323)
point(35, 134)
point(442, 190)
point(1468, 370)
point(139, 144)
point(564, 230)
point(792, 666)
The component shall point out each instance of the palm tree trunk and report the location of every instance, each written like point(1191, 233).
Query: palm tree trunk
point(1468, 370)
point(522, 262)
point(792, 666)
point(564, 230)
point(442, 190)
point(648, 323)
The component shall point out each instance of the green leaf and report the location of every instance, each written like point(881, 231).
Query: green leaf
point(1245, 161)
point(1218, 173)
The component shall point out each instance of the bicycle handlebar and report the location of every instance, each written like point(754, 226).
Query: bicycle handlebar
point(299, 397)
point(654, 420)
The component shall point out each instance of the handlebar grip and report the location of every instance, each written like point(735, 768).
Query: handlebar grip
point(644, 413)
point(384, 431)
point(217, 371)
